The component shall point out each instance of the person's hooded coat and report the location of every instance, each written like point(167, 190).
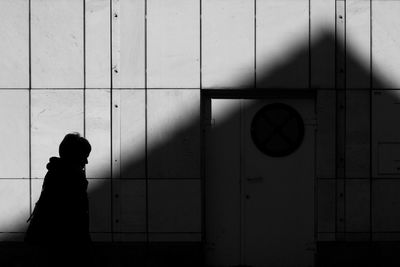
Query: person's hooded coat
point(61, 213)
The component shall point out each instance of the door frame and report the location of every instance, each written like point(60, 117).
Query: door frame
point(206, 96)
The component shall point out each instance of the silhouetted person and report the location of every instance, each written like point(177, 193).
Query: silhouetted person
point(59, 224)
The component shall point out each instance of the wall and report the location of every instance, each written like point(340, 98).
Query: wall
point(128, 74)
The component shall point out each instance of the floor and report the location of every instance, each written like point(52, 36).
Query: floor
point(16, 254)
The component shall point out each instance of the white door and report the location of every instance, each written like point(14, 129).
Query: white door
point(260, 182)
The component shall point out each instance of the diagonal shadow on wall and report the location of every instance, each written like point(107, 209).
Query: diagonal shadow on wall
point(292, 74)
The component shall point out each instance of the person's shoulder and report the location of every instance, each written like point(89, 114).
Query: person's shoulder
point(54, 164)
point(55, 169)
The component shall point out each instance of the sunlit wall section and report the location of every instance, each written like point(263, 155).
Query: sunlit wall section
point(228, 44)
point(282, 31)
point(57, 44)
point(97, 44)
point(173, 44)
point(14, 115)
point(53, 114)
point(14, 166)
point(14, 47)
point(128, 43)
point(385, 28)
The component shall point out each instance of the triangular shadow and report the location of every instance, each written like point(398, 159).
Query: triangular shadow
point(290, 75)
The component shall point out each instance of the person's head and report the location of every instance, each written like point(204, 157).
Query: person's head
point(75, 149)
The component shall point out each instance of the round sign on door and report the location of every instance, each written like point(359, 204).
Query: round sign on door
point(277, 130)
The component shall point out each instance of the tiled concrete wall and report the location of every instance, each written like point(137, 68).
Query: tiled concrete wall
point(128, 74)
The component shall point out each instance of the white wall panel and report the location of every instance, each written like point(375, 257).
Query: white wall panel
point(98, 133)
point(222, 170)
point(322, 31)
point(14, 205)
point(385, 39)
point(129, 200)
point(57, 43)
point(54, 114)
point(173, 43)
point(173, 133)
point(14, 45)
point(358, 136)
point(385, 105)
point(99, 193)
point(385, 133)
point(97, 50)
point(358, 48)
point(282, 43)
point(358, 206)
point(322, 16)
point(326, 206)
point(174, 206)
point(227, 44)
point(388, 154)
point(326, 137)
point(128, 51)
point(386, 204)
point(131, 133)
point(14, 142)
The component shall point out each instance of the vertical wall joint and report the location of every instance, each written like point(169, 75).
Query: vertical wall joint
point(340, 117)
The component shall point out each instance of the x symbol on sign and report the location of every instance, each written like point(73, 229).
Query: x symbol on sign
point(278, 129)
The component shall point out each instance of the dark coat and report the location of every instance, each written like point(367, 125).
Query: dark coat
point(61, 215)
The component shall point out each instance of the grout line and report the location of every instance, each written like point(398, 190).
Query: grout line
point(118, 179)
point(132, 233)
point(100, 88)
point(255, 44)
point(345, 113)
point(203, 118)
point(309, 44)
point(202, 144)
point(242, 212)
point(197, 233)
point(111, 123)
point(84, 69)
point(193, 88)
point(201, 44)
point(159, 233)
point(370, 126)
point(336, 126)
point(146, 128)
point(146, 137)
point(202, 148)
point(316, 181)
point(30, 105)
